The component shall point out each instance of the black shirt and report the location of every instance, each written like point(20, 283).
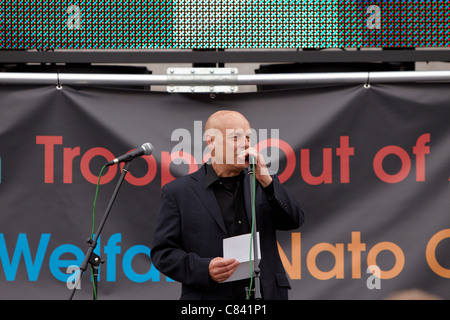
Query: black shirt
point(229, 192)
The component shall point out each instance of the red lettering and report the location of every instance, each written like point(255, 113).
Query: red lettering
point(49, 153)
point(167, 158)
point(325, 176)
point(69, 154)
point(378, 164)
point(147, 178)
point(86, 171)
point(344, 152)
point(288, 151)
point(420, 150)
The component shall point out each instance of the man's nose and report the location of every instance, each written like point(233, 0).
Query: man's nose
point(244, 143)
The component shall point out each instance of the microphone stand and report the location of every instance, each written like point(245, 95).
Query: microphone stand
point(256, 270)
point(91, 258)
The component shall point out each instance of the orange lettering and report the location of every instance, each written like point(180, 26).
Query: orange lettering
point(431, 253)
point(293, 269)
point(355, 247)
point(399, 258)
point(338, 269)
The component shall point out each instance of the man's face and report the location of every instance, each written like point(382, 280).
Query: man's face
point(234, 137)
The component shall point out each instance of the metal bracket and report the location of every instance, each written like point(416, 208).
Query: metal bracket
point(202, 80)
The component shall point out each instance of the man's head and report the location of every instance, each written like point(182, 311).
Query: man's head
point(227, 134)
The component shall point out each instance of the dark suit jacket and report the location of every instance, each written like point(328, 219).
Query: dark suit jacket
point(190, 230)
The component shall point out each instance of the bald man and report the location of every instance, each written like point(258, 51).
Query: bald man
point(201, 209)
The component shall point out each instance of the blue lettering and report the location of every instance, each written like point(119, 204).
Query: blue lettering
point(152, 274)
point(56, 264)
point(111, 250)
point(22, 248)
point(59, 261)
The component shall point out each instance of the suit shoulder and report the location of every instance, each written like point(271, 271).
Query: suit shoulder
point(181, 182)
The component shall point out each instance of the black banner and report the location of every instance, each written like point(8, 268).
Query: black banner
point(370, 166)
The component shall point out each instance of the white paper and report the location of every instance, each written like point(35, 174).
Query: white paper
point(239, 248)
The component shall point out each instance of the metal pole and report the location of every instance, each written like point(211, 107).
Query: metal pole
point(344, 77)
point(253, 79)
point(81, 78)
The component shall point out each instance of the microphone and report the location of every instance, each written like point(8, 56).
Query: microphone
point(251, 161)
point(145, 150)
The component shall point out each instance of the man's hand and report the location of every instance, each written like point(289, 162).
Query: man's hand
point(221, 269)
point(261, 172)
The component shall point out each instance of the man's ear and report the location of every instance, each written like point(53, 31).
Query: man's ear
point(210, 142)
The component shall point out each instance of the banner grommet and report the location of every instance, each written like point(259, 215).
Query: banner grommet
point(367, 84)
point(58, 84)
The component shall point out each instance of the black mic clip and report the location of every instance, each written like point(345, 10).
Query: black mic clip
point(251, 163)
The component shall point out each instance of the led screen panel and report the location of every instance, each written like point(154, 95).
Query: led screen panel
point(202, 24)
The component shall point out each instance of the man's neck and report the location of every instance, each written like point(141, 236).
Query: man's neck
point(224, 170)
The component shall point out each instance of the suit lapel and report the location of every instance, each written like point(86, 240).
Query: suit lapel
point(207, 197)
